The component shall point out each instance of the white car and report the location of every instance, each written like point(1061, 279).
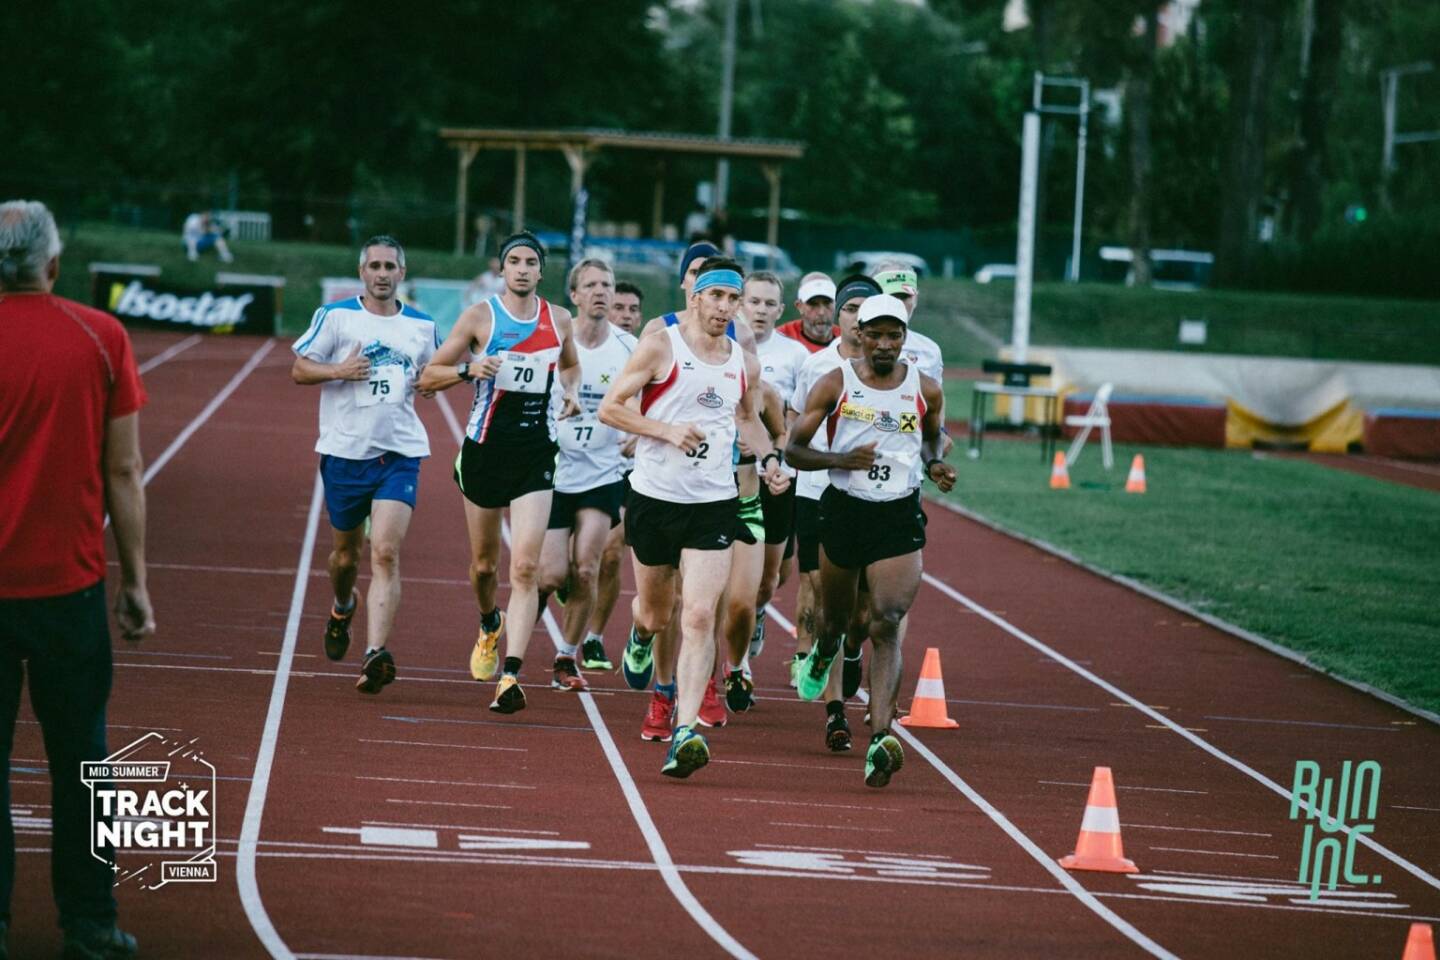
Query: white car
point(762, 256)
point(865, 261)
point(995, 271)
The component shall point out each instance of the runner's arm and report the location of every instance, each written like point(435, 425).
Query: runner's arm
point(823, 397)
point(568, 367)
point(442, 372)
point(933, 446)
point(307, 372)
point(753, 434)
point(619, 409)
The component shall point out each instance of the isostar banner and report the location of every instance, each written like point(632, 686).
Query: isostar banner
point(220, 309)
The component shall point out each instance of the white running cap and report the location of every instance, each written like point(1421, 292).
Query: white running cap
point(882, 305)
point(818, 287)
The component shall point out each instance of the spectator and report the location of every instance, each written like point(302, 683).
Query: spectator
point(485, 285)
point(697, 224)
point(202, 232)
point(69, 451)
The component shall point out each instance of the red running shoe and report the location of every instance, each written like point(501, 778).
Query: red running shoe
point(658, 719)
point(712, 709)
point(567, 677)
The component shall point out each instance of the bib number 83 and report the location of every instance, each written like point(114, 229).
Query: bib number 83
point(879, 471)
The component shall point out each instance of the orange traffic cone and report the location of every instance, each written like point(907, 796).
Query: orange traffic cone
point(1059, 475)
point(1135, 483)
point(928, 707)
point(1098, 847)
point(1420, 945)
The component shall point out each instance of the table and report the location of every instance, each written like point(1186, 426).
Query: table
point(980, 401)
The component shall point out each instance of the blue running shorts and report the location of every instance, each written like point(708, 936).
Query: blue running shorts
point(351, 485)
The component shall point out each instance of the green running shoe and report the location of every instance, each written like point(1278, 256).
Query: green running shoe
point(593, 656)
point(638, 664)
point(688, 753)
point(884, 757)
point(814, 672)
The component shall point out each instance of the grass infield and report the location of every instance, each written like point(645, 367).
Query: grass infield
point(1336, 566)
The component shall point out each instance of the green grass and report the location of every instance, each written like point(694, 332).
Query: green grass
point(1337, 566)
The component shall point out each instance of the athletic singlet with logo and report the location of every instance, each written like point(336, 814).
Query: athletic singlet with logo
point(891, 420)
point(810, 484)
point(706, 395)
point(515, 403)
point(590, 450)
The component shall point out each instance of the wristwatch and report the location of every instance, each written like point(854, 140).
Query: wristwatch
point(463, 371)
point(766, 459)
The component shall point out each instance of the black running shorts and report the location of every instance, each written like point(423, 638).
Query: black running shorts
point(491, 475)
point(807, 533)
point(657, 530)
point(856, 533)
point(779, 512)
point(607, 499)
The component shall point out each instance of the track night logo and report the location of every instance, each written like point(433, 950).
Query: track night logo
point(1334, 806)
point(153, 800)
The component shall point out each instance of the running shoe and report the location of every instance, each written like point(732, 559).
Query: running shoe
point(593, 657)
point(638, 663)
point(814, 673)
point(337, 630)
point(688, 753)
point(883, 759)
point(567, 677)
point(509, 698)
point(91, 941)
point(739, 691)
point(562, 592)
point(837, 733)
point(485, 658)
point(377, 670)
point(795, 662)
point(851, 673)
point(712, 711)
point(658, 719)
point(757, 639)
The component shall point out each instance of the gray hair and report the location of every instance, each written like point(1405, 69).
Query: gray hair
point(584, 265)
point(383, 240)
point(29, 240)
point(765, 276)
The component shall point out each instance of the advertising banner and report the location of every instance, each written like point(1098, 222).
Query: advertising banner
point(145, 300)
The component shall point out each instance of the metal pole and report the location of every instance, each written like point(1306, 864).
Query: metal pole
point(1388, 84)
point(727, 97)
point(1080, 181)
point(1025, 248)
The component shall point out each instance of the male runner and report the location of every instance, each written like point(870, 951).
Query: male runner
point(625, 307)
point(589, 489)
point(810, 484)
point(882, 422)
point(682, 514)
point(508, 456)
point(815, 328)
point(367, 353)
point(780, 362)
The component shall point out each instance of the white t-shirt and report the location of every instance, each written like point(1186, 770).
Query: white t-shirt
point(890, 419)
point(922, 352)
point(590, 450)
point(780, 362)
point(811, 483)
point(363, 419)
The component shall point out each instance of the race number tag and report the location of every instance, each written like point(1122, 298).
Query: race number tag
point(583, 433)
point(887, 477)
point(385, 385)
point(522, 372)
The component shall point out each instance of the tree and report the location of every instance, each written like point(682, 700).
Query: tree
point(1138, 86)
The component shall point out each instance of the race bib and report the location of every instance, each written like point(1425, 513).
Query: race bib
point(522, 372)
point(385, 385)
point(885, 479)
point(584, 433)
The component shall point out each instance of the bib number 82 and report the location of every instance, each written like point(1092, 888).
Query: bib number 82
point(699, 452)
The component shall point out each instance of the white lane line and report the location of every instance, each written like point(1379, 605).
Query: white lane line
point(1201, 742)
point(792, 766)
point(169, 352)
point(452, 746)
point(1228, 833)
point(1077, 783)
point(659, 853)
point(1396, 806)
point(184, 436)
point(811, 803)
point(446, 826)
point(1400, 465)
point(450, 803)
point(1306, 723)
point(876, 853)
point(827, 826)
point(264, 760)
point(450, 783)
point(1218, 853)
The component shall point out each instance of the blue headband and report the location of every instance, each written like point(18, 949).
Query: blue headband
point(717, 278)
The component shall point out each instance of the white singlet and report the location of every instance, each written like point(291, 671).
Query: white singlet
point(811, 483)
point(891, 420)
point(590, 450)
point(706, 395)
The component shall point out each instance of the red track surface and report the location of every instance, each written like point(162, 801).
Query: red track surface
point(537, 848)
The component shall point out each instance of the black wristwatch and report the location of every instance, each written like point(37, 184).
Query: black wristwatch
point(463, 372)
point(930, 463)
point(767, 456)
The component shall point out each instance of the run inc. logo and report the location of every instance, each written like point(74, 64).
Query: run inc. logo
point(153, 800)
point(1334, 805)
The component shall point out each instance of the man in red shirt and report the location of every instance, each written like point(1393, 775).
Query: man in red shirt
point(815, 302)
point(69, 451)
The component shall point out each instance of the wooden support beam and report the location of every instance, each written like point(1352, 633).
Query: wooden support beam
point(657, 209)
point(465, 155)
point(519, 217)
point(772, 224)
point(578, 160)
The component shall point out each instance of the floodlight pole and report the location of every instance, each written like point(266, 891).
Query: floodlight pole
point(727, 99)
point(1025, 248)
point(1389, 87)
point(1081, 111)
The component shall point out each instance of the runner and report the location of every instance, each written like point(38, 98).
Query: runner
point(508, 456)
point(810, 484)
point(589, 489)
point(641, 661)
point(367, 353)
point(682, 513)
point(625, 306)
point(780, 362)
point(882, 423)
point(815, 328)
